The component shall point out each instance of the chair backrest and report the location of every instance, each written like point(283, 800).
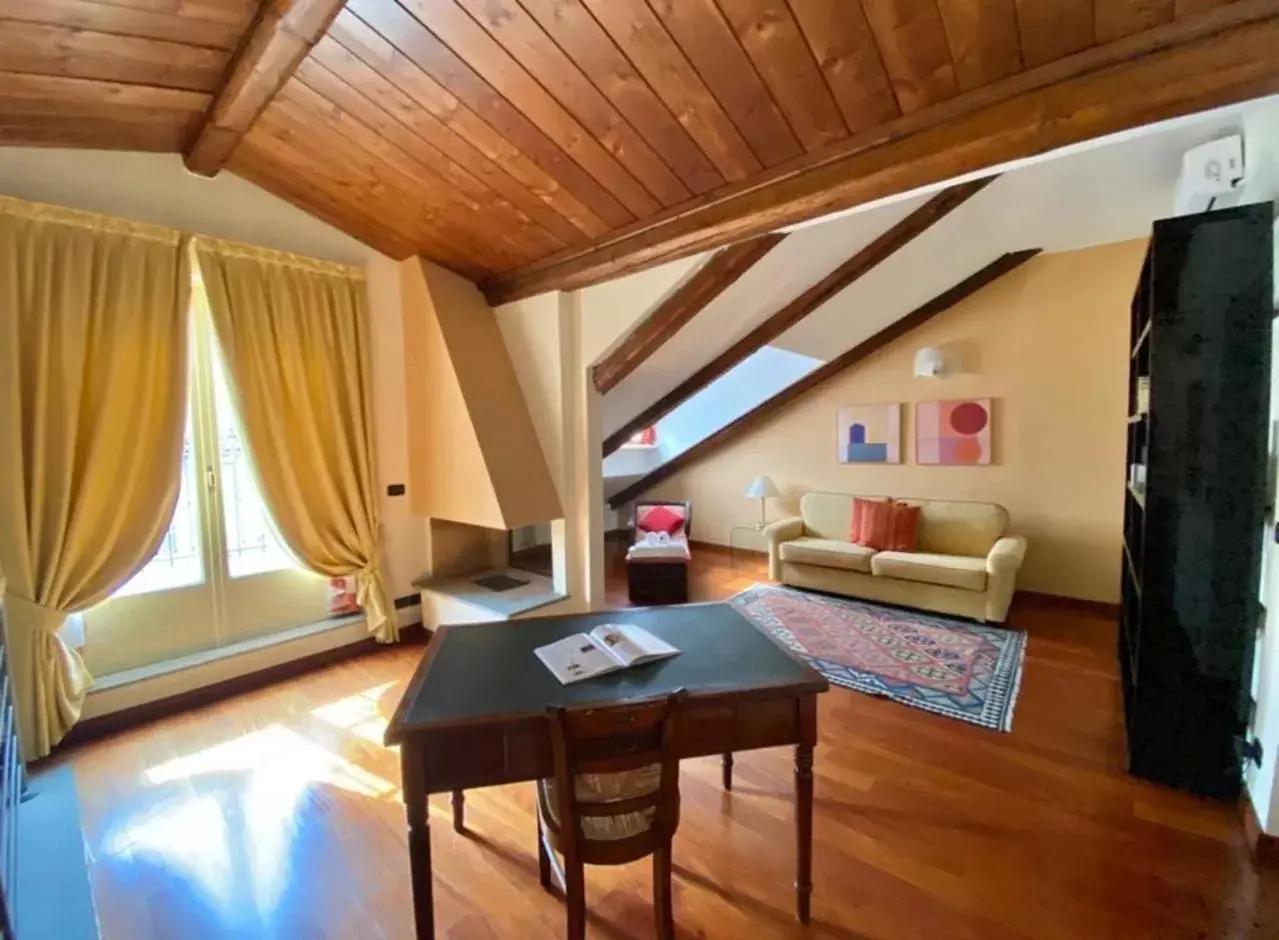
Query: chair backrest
point(660, 515)
point(616, 739)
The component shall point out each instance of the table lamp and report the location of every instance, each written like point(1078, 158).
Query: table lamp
point(762, 488)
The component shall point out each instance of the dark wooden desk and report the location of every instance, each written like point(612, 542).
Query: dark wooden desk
point(474, 713)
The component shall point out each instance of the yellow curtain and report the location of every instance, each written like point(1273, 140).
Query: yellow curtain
point(93, 367)
point(294, 333)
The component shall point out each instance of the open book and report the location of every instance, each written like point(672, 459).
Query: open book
point(607, 648)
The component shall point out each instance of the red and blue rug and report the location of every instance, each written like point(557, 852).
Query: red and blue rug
point(952, 667)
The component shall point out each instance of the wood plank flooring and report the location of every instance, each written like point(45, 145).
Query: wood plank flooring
point(277, 815)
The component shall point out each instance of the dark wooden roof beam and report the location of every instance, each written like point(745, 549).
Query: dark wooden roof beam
point(856, 267)
point(792, 393)
point(716, 275)
point(276, 44)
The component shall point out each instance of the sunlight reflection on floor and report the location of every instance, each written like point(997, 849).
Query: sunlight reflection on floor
point(280, 757)
point(254, 785)
point(359, 714)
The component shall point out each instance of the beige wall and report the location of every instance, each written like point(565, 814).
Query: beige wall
point(1049, 343)
point(404, 541)
point(156, 187)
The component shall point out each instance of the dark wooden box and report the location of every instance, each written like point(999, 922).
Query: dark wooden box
point(652, 582)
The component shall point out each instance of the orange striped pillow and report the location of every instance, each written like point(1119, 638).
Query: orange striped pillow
point(859, 513)
point(876, 523)
point(903, 528)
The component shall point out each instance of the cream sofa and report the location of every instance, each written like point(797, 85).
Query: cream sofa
point(965, 564)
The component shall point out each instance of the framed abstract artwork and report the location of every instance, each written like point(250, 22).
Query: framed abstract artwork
point(869, 434)
point(953, 433)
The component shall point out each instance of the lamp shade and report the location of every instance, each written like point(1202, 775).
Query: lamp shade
point(762, 488)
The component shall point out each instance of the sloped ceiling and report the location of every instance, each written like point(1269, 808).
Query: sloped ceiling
point(1105, 192)
point(537, 144)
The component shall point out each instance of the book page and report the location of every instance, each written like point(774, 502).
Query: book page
point(615, 642)
point(576, 658)
point(631, 645)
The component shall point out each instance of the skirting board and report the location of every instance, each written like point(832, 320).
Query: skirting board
point(1264, 847)
point(149, 700)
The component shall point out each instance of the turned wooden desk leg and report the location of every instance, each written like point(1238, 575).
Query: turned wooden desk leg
point(728, 770)
point(417, 812)
point(803, 831)
point(459, 811)
point(804, 807)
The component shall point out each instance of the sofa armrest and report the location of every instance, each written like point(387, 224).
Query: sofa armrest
point(775, 533)
point(1002, 564)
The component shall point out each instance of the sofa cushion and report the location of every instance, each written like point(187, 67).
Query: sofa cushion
point(827, 553)
point(959, 528)
point(946, 527)
point(958, 571)
point(827, 515)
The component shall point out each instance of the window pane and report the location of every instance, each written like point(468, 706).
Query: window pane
point(251, 543)
point(177, 562)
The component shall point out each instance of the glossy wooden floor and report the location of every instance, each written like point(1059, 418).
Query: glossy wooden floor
point(277, 815)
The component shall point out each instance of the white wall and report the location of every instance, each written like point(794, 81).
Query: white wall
point(608, 311)
point(156, 187)
point(539, 337)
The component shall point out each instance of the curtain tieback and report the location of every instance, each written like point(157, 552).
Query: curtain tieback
point(47, 619)
point(364, 579)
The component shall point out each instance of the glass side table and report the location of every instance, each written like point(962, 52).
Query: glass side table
point(745, 538)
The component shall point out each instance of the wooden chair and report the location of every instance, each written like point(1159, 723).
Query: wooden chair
point(614, 799)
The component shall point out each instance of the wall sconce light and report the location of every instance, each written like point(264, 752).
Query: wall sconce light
point(928, 363)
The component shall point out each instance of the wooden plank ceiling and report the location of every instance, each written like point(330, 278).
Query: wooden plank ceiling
point(500, 136)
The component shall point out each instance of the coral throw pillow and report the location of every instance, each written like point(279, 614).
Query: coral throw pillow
point(859, 515)
point(903, 528)
point(668, 519)
point(876, 522)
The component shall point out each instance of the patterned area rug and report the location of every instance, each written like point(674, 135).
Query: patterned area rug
point(952, 667)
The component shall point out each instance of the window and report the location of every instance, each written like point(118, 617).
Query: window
point(646, 437)
point(252, 545)
point(220, 575)
point(178, 562)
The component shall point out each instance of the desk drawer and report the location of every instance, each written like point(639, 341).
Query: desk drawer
point(487, 756)
point(742, 726)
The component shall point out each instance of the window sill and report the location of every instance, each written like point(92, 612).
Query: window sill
point(181, 663)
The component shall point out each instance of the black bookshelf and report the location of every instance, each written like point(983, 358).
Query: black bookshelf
point(1194, 512)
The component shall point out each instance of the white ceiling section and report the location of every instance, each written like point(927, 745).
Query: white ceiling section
point(1097, 193)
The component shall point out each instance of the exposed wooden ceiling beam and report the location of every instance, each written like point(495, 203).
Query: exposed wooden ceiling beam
point(882, 248)
point(716, 275)
point(1219, 57)
point(787, 396)
point(278, 41)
